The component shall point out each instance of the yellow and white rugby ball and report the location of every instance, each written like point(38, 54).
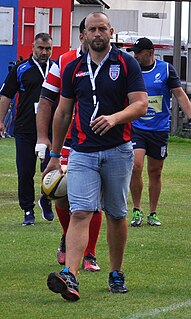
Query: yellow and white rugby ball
point(54, 185)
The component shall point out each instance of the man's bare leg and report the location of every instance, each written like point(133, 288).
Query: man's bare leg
point(116, 238)
point(155, 183)
point(77, 239)
point(136, 185)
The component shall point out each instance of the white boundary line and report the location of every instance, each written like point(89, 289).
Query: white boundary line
point(7, 202)
point(157, 311)
point(8, 175)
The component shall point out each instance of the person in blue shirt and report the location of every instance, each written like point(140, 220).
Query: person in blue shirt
point(150, 132)
point(109, 91)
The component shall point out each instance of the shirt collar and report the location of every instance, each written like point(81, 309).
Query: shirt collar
point(113, 55)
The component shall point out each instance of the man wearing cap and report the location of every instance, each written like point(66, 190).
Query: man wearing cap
point(150, 132)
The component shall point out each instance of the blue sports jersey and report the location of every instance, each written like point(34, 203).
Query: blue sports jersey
point(118, 76)
point(159, 81)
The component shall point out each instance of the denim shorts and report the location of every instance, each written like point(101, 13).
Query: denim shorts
point(100, 180)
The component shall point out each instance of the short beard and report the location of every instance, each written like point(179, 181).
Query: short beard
point(40, 60)
point(102, 46)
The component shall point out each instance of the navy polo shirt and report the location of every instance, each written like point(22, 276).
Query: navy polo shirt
point(118, 76)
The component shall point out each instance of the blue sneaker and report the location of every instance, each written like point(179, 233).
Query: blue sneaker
point(46, 208)
point(117, 282)
point(64, 283)
point(29, 218)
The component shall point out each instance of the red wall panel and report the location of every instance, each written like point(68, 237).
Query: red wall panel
point(25, 49)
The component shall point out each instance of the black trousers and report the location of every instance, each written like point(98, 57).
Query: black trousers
point(26, 168)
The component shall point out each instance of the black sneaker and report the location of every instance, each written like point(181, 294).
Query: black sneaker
point(29, 218)
point(61, 253)
point(64, 283)
point(117, 282)
point(46, 208)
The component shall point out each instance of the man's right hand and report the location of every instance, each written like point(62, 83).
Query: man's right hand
point(53, 164)
point(41, 146)
point(40, 151)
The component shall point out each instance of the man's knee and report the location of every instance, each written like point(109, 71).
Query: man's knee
point(81, 215)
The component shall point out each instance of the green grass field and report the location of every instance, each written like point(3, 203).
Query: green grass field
point(157, 261)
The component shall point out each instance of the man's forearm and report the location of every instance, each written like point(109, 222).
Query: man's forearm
point(60, 128)
point(43, 118)
point(4, 106)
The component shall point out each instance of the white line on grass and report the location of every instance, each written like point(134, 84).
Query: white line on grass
point(8, 175)
point(157, 311)
point(8, 203)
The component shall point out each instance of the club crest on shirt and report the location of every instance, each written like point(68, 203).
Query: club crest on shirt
point(114, 71)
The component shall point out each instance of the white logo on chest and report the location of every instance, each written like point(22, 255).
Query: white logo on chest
point(158, 78)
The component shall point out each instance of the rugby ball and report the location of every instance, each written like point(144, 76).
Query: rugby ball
point(54, 185)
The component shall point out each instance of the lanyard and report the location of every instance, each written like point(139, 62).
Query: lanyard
point(40, 69)
point(92, 79)
point(79, 51)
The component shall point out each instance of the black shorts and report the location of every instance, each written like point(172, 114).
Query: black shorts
point(154, 143)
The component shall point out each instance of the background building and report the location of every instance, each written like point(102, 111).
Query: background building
point(149, 18)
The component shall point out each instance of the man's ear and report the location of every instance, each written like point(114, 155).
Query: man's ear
point(151, 52)
point(111, 32)
point(81, 37)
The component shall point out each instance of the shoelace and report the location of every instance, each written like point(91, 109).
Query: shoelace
point(93, 262)
point(70, 281)
point(155, 217)
point(118, 280)
point(136, 215)
point(92, 259)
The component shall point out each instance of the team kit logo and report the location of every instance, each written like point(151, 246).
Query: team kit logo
point(81, 74)
point(114, 71)
point(158, 78)
point(163, 151)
